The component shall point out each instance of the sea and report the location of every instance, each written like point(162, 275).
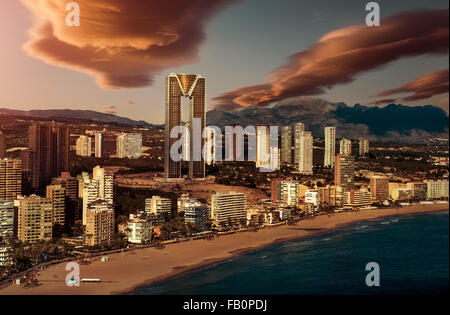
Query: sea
point(411, 252)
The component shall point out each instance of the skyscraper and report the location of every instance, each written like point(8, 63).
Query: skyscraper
point(263, 145)
point(84, 146)
point(286, 145)
point(70, 185)
point(305, 160)
point(2, 145)
point(345, 147)
point(98, 145)
point(99, 223)
point(129, 145)
point(193, 87)
point(99, 187)
point(344, 171)
point(298, 129)
point(51, 144)
point(364, 146)
point(10, 179)
point(330, 146)
point(57, 194)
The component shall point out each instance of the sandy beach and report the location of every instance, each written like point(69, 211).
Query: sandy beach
point(127, 271)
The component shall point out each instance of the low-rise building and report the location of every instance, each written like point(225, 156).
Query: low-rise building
point(140, 229)
point(358, 198)
point(418, 190)
point(401, 194)
point(5, 256)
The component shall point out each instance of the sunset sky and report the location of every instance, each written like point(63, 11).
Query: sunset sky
point(252, 52)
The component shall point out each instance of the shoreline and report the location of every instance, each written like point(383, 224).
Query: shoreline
point(135, 269)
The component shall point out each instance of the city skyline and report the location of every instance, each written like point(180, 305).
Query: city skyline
point(219, 46)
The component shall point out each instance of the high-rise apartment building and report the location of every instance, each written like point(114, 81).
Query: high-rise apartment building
point(286, 145)
point(263, 146)
point(298, 131)
point(57, 194)
point(364, 146)
point(6, 218)
point(35, 218)
point(70, 185)
point(228, 207)
point(190, 86)
point(330, 146)
point(84, 146)
point(2, 145)
point(10, 179)
point(99, 223)
point(51, 144)
point(379, 188)
point(98, 145)
point(234, 146)
point(344, 171)
point(345, 147)
point(305, 160)
point(99, 187)
point(129, 145)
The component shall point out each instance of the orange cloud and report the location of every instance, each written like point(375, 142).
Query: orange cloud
point(341, 55)
point(123, 44)
point(424, 87)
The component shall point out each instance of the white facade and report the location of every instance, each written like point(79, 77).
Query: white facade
point(158, 205)
point(5, 257)
point(98, 145)
point(437, 189)
point(140, 229)
point(364, 146)
point(228, 206)
point(84, 146)
point(312, 197)
point(129, 145)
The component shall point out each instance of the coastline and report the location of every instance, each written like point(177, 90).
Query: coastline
point(134, 269)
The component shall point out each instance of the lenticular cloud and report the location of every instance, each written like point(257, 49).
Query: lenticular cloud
point(123, 44)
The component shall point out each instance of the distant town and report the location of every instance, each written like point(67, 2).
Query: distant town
point(75, 190)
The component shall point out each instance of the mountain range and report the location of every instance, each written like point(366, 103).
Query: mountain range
point(394, 122)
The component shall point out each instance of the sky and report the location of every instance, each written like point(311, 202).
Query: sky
point(252, 52)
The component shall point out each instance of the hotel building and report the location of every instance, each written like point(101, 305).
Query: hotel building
point(35, 218)
point(70, 185)
point(10, 179)
point(57, 194)
point(190, 86)
point(226, 207)
point(330, 146)
point(197, 214)
point(99, 223)
point(379, 188)
point(344, 172)
point(158, 206)
point(263, 146)
point(418, 189)
point(140, 229)
point(437, 189)
point(358, 198)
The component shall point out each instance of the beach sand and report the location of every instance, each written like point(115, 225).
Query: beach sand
point(133, 269)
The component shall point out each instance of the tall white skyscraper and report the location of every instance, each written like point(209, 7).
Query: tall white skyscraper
point(298, 129)
point(330, 146)
point(129, 145)
point(263, 146)
point(305, 159)
point(345, 147)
